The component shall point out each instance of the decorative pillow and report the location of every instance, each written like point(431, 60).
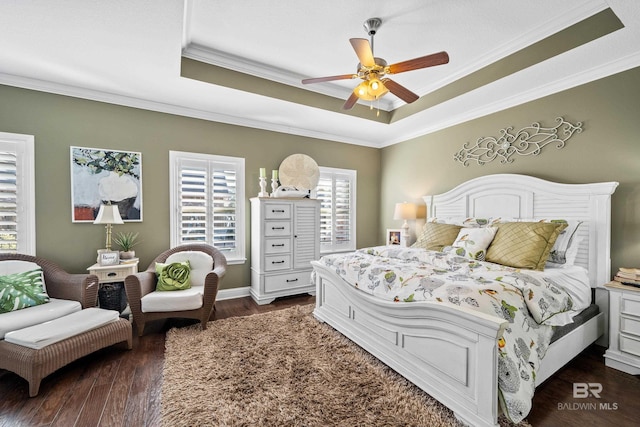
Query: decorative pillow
point(173, 277)
point(13, 266)
point(567, 241)
point(22, 290)
point(201, 264)
point(523, 244)
point(435, 236)
point(475, 241)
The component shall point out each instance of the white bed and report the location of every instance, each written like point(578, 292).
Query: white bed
point(451, 352)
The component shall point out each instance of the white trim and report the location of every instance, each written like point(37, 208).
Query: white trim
point(25, 150)
point(233, 293)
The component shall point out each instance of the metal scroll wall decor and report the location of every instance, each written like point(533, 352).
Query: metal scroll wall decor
point(527, 141)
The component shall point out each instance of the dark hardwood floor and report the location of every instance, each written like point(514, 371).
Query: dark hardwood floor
point(114, 387)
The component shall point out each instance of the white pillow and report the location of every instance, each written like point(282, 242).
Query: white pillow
point(200, 262)
point(13, 266)
point(475, 241)
point(565, 249)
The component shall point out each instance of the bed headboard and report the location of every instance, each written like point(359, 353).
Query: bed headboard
point(526, 197)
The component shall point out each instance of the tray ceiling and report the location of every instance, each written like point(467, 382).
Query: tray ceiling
point(241, 61)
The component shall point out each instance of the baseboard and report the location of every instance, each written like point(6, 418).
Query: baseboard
point(233, 293)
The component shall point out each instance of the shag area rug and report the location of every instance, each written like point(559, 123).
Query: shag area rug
point(284, 368)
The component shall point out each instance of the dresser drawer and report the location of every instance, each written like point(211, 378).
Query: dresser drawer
point(629, 345)
point(277, 228)
point(287, 281)
point(277, 246)
point(630, 326)
point(277, 262)
point(277, 211)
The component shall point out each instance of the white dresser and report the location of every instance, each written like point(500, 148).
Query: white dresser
point(285, 238)
point(624, 328)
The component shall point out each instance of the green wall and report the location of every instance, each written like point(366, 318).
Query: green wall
point(58, 122)
point(607, 150)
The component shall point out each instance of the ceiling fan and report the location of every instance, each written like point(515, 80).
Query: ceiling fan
point(373, 70)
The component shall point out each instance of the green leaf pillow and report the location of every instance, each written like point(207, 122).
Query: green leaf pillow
point(173, 277)
point(22, 290)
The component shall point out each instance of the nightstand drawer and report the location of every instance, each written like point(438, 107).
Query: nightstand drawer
point(630, 304)
point(277, 246)
point(287, 281)
point(629, 345)
point(629, 325)
point(277, 228)
point(277, 211)
point(277, 262)
point(112, 275)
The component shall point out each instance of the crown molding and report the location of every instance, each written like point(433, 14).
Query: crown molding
point(179, 110)
point(586, 76)
point(239, 64)
point(546, 29)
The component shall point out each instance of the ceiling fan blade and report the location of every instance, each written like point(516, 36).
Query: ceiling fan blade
point(364, 52)
point(351, 101)
point(400, 91)
point(329, 78)
point(417, 63)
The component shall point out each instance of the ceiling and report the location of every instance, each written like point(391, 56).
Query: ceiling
point(241, 61)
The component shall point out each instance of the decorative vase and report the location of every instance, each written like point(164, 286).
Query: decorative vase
point(127, 254)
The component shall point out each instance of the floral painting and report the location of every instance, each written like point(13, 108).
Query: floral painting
point(102, 176)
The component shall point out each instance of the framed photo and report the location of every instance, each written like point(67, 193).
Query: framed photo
point(394, 236)
point(100, 176)
point(109, 258)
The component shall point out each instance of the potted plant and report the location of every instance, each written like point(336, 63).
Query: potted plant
point(126, 241)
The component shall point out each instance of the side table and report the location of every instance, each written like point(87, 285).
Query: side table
point(111, 294)
point(624, 328)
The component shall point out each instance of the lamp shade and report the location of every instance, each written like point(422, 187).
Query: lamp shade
point(108, 214)
point(405, 211)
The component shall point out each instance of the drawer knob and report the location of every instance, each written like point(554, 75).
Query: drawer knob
point(277, 262)
point(277, 210)
point(277, 228)
point(291, 280)
point(111, 274)
point(275, 246)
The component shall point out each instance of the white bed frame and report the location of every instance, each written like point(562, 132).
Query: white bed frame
point(451, 352)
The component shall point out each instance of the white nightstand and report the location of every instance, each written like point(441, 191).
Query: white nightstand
point(114, 273)
point(624, 328)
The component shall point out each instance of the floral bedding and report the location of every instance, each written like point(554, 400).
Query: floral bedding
point(525, 298)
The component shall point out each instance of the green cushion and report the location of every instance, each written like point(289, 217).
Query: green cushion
point(523, 244)
point(22, 290)
point(173, 277)
point(435, 236)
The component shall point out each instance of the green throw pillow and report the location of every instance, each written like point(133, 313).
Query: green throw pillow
point(22, 290)
point(173, 277)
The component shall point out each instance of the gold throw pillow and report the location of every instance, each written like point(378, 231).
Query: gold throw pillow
point(524, 244)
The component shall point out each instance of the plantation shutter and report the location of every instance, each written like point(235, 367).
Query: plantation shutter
point(336, 192)
point(208, 202)
point(8, 202)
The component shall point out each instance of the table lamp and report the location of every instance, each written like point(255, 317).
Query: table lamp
point(108, 214)
point(405, 211)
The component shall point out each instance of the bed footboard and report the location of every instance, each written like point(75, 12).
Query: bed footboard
point(449, 353)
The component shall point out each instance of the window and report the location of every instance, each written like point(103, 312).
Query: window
point(337, 194)
point(207, 202)
point(17, 194)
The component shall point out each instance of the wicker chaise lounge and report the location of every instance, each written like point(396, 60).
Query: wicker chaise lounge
point(35, 364)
